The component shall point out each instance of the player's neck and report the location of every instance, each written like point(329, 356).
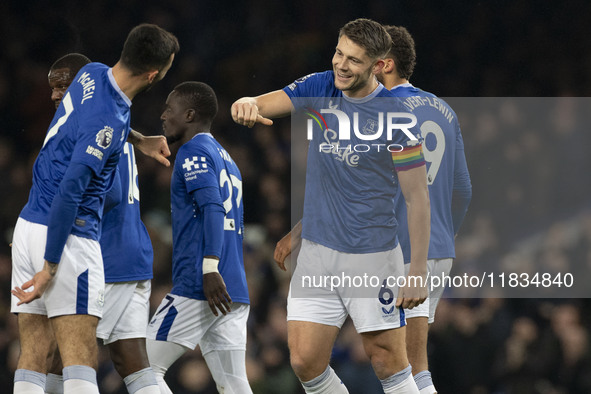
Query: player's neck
point(391, 81)
point(195, 132)
point(129, 84)
point(371, 85)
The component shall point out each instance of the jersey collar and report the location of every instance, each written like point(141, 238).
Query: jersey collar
point(403, 85)
point(117, 88)
point(360, 100)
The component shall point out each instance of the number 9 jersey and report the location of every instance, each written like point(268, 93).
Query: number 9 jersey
point(447, 172)
point(203, 163)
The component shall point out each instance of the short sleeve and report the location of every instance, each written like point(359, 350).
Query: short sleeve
point(197, 169)
point(97, 140)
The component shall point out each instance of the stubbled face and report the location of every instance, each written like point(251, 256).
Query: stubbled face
point(381, 76)
point(163, 72)
point(352, 69)
point(173, 118)
point(59, 80)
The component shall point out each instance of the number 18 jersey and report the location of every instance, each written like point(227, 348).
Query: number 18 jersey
point(125, 243)
point(203, 162)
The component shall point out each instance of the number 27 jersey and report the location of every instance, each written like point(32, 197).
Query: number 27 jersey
point(203, 162)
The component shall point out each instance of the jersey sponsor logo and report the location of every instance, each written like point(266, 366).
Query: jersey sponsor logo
point(195, 162)
point(91, 150)
point(195, 165)
point(388, 311)
point(104, 137)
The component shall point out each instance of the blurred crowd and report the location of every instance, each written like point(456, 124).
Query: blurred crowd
point(527, 158)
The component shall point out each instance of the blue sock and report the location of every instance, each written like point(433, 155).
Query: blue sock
point(25, 375)
point(396, 379)
point(80, 372)
point(423, 379)
point(327, 383)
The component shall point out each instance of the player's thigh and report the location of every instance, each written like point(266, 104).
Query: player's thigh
point(328, 310)
point(181, 320)
point(436, 268)
point(371, 302)
point(311, 296)
point(78, 287)
point(419, 311)
point(126, 310)
point(76, 339)
point(440, 268)
point(36, 341)
point(28, 248)
point(227, 332)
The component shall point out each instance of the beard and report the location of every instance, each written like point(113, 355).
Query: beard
point(171, 139)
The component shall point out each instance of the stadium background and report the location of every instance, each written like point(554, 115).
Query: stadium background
point(530, 187)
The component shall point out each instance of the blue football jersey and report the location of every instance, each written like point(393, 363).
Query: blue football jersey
point(350, 189)
point(125, 243)
point(201, 163)
point(89, 127)
point(443, 148)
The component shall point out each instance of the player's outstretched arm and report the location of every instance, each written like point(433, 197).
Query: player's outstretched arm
point(154, 146)
point(40, 282)
point(250, 110)
point(287, 244)
point(413, 183)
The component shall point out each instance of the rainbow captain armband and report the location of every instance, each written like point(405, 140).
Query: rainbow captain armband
point(408, 158)
point(210, 265)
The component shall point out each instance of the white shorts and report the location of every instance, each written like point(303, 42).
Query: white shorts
point(126, 311)
point(190, 322)
point(78, 286)
point(435, 267)
point(362, 290)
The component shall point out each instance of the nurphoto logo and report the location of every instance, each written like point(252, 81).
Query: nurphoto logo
point(338, 142)
point(344, 132)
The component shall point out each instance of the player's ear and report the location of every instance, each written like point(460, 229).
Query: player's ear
point(152, 76)
point(389, 65)
point(189, 115)
point(378, 66)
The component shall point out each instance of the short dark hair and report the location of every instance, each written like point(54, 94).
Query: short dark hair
point(148, 47)
point(369, 35)
point(200, 97)
point(403, 50)
point(72, 61)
